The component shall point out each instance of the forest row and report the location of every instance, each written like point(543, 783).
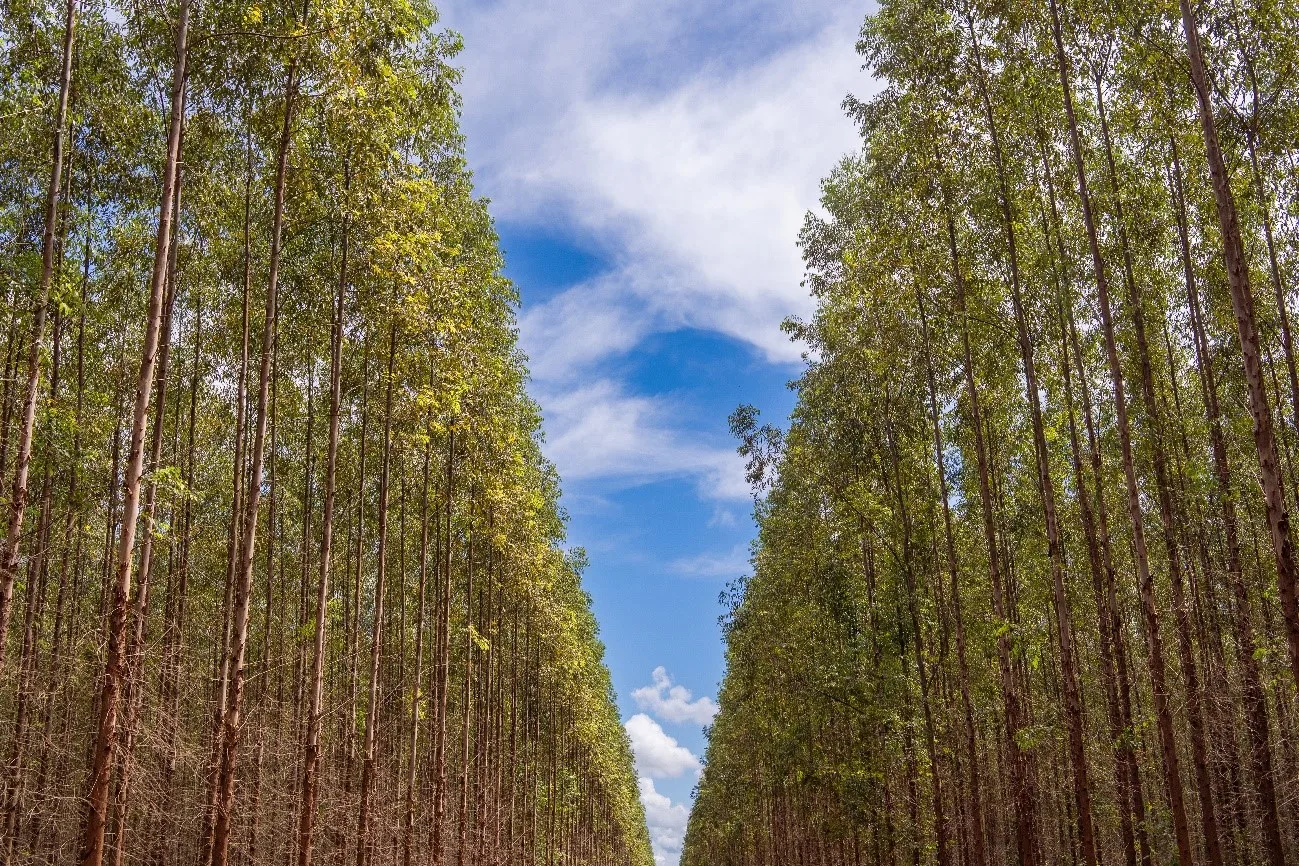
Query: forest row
point(283, 576)
point(1025, 584)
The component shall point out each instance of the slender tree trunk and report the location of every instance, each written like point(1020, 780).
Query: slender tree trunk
point(105, 744)
point(1146, 585)
point(1168, 521)
point(443, 669)
point(133, 685)
point(237, 487)
point(27, 424)
point(1108, 637)
point(229, 740)
point(364, 845)
point(408, 836)
point(1256, 717)
point(1071, 691)
point(1242, 304)
point(311, 757)
point(978, 850)
point(1021, 770)
point(466, 738)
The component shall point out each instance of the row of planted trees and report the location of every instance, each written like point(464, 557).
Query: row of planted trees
point(283, 575)
point(1024, 589)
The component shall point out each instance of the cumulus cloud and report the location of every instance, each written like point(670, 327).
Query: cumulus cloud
point(667, 823)
point(722, 517)
point(672, 702)
point(657, 754)
point(706, 186)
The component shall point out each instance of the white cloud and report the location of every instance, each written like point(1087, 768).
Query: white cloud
point(730, 564)
point(598, 430)
point(580, 327)
point(673, 703)
point(706, 187)
point(667, 823)
point(683, 141)
point(657, 754)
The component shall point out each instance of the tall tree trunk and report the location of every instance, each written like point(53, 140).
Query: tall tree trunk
point(364, 846)
point(27, 424)
point(1021, 771)
point(237, 488)
point(466, 738)
point(443, 668)
point(978, 849)
point(230, 725)
point(1146, 584)
point(105, 744)
point(408, 835)
point(133, 691)
point(1167, 518)
point(1071, 691)
point(311, 754)
point(1242, 304)
point(1256, 716)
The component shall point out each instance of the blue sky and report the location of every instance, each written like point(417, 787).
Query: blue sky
point(649, 164)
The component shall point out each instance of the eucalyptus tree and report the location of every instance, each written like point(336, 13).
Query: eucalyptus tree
point(1033, 226)
point(201, 564)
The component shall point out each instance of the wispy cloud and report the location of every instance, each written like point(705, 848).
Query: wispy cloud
point(705, 187)
point(600, 431)
point(673, 702)
point(580, 328)
point(733, 563)
point(722, 517)
point(683, 142)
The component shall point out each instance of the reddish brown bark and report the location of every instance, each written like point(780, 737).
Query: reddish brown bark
point(1154, 644)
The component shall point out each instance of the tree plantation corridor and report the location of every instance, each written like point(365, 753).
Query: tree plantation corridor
point(288, 575)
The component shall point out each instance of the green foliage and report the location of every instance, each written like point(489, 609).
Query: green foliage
point(510, 689)
point(896, 689)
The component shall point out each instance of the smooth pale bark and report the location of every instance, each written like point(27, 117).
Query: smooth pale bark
point(364, 845)
point(466, 738)
point(133, 686)
point(408, 830)
point(1071, 691)
point(105, 745)
point(917, 637)
point(237, 488)
point(1109, 638)
point(1025, 809)
point(976, 799)
point(438, 844)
